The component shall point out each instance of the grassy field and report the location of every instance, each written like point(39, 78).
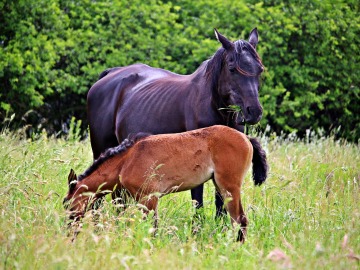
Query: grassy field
point(306, 216)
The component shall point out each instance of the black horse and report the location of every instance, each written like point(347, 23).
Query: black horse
point(140, 98)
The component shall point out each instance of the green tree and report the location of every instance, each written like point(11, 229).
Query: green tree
point(311, 52)
point(51, 52)
point(32, 38)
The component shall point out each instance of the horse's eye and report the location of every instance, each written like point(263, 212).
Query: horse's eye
point(232, 70)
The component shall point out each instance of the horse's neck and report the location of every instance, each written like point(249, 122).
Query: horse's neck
point(201, 79)
point(209, 89)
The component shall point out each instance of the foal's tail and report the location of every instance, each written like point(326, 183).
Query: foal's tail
point(260, 166)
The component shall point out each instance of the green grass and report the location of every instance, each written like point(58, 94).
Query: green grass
point(306, 216)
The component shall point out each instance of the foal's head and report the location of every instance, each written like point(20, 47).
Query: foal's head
point(80, 197)
point(240, 76)
point(75, 201)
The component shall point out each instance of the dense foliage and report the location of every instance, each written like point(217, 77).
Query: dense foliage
point(52, 51)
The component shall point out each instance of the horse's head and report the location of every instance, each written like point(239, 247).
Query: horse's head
point(75, 201)
point(239, 79)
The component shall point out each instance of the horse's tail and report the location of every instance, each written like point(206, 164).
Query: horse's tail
point(260, 166)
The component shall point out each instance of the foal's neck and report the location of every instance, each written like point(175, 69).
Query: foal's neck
point(105, 177)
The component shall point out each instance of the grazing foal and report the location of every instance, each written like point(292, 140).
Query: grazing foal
point(161, 164)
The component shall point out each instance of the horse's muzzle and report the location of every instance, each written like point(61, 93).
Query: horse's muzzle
point(240, 120)
point(252, 115)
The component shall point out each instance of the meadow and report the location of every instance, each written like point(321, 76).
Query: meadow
point(306, 215)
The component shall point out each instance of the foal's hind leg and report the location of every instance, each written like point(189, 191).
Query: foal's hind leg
point(236, 211)
point(230, 191)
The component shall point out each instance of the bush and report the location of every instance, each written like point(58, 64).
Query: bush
point(52, 52)
point(312, 79)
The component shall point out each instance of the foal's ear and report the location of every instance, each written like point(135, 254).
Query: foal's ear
point(254, 38)
point(227, 44)
point(72, 180)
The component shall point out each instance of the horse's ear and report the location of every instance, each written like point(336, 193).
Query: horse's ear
point(72, 180)
point(254, 38)
point(227, 44)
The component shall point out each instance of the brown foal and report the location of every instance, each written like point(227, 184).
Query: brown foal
point(149, 167)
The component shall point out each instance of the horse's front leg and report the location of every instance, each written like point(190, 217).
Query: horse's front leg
point(197, 196)
point(219, 203)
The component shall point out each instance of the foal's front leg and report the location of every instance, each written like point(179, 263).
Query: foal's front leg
point(120, 198)
point(150, 202)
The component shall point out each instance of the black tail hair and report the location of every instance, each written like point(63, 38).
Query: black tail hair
point(260, 166)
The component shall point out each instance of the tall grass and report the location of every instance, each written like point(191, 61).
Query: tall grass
point(306, 216)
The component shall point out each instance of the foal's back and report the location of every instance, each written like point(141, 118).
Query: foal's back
point(177, 162)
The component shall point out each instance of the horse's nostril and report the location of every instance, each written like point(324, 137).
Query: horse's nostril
point(248, 110)
point(253, 111)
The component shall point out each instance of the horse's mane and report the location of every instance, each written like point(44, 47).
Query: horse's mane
point(213, 68)
point(110, 152)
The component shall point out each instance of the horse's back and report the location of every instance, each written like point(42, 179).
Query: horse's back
point(156, 102)
point(107, 96)
point(113, 81)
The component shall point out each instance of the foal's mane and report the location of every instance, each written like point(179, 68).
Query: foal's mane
point(110, 152)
